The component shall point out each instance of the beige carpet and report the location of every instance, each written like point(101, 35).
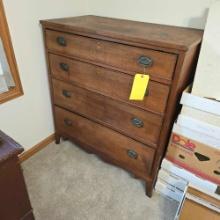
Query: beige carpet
point(65, 183)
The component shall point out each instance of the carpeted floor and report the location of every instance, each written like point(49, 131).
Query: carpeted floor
point(65, 183)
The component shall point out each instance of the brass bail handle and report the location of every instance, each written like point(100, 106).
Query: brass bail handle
point(145, 61)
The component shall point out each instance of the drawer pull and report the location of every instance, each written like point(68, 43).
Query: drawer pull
point(68, 122)
point(64, 67)
point(137, 122)
point(132, 154)
point(145, 61)
point(67, 94)
point(61, 41)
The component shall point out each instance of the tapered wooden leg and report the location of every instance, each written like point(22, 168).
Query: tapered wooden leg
point(57, 138)
point(149, 189)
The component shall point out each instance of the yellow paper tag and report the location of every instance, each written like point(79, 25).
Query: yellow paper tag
point(139, 87)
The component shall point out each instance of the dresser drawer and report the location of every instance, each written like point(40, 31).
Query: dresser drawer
point(120, 56)
point(108, 82)
point(136, 123)
point(134, 155)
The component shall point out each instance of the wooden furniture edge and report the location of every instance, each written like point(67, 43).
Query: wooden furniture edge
point(174, 97)
point(51, 24)
point(36, 148)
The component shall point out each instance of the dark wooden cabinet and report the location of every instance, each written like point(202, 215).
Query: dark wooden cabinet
point(14, 200)
point(92, 62)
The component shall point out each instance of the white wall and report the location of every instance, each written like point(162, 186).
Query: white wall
point(28, 119)
point(187, 13)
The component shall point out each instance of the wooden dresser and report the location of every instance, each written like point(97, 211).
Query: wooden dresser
point(14, 200)
point(92, 62)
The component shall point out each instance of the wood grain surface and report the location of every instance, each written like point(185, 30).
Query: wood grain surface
point(109, 112)
point(108, 82)
point(91, 64)
point(106, 141)
point(121, 56)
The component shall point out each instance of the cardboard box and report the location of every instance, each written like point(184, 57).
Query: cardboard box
point(169, 191)
point(198, 205)
point(202, 116)
point(197, 182)
point(171, 186)
point(195, 135)
point(195, 152)
point(195, 211)
point(173, 180)
point(200, 103)
point(200, 126)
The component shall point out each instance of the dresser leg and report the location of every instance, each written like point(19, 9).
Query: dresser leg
point(149, 189)
point(57, 138)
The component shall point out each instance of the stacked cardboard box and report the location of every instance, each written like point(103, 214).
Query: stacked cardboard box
point(171, 185)
point(195, 144)
point(192, 179)
point(193, 152)
point(194, 147)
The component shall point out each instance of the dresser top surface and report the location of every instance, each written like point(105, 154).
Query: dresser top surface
point(8, 147)
point(132, 31)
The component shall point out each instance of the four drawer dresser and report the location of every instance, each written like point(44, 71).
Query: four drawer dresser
point(92, 62)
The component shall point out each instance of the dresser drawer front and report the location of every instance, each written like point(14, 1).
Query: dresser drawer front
point(136, 123)
point(122, 57)
point(108, 82)
point(134, 155)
